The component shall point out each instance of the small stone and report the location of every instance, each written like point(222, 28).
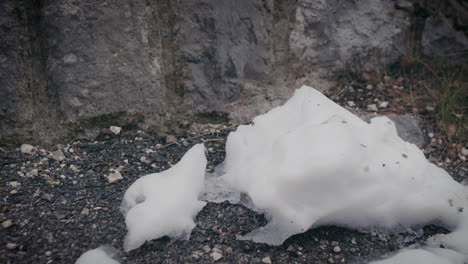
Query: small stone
point(372, 107)
point(369, 87)
point(145, 160)
point(266, 260)
point(114, 176)
point(430, 108)
point(353, 241)
point(351, 103)
point(48, 253)
point(290, 248)
point(15, 184)
point(431, 135)
point(206, 249)
point(216, 256)
point(7, 223)
point(383, 105)
point(256, 260)
point(58, 155)
point(337, 249)
point(330, 260)
point(85, 211)
point(464, 151)
point(34, 172)
point(26, 149)
point(70, 58)
point(115, 129)
point(48, 197)
point(73, 168)
point(11, 246)
point(374, 234)
point(197, 254)
point(171, 139)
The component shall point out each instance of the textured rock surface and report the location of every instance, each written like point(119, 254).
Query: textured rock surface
point(67, 66)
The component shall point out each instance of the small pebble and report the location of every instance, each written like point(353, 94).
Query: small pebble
point(369, 87)
point(114, 176)
point(15, 184)
point(115, 129)
point(464, 152)
point(337, 249)
point(171, 139)
point(74, 168)
point(372, 107)
point(383, 105)
point(216, 256)
point(330, 260)
point(11, 245)
point(58, 155)
point(266, 260)
point(7, 223)
point(26, 149)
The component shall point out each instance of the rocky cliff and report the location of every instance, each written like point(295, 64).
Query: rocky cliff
point(69, 66)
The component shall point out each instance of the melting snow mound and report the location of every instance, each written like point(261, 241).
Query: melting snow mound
point(101, 255)
point(165, 203)
point(310, 162)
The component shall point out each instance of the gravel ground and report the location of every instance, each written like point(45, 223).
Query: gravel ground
point(60, 209)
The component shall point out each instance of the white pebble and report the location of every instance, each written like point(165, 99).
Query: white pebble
point(114, 176)
point(372, 107)
point(11, 245)
point(216, 256)
point(464, 152)
point(383, 105)
point(115, 129)
point(26, 149)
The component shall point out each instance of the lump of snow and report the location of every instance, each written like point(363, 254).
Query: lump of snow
point(310, 162)
point(101, 255)
point(115, 129)
point(427, 256)
point(165, 203)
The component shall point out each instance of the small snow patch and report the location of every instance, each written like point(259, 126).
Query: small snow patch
point(165, 203)
point(101, 255)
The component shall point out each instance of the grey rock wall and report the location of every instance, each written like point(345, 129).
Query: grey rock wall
point(66, 66)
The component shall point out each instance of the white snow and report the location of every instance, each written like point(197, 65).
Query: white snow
point(165, 203)
point(101, 255)
point(310, 162)
point(426, 256)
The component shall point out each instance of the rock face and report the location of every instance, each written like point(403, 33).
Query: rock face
point(66, 66)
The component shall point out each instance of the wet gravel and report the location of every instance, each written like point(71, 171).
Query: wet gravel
point(60, 209)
